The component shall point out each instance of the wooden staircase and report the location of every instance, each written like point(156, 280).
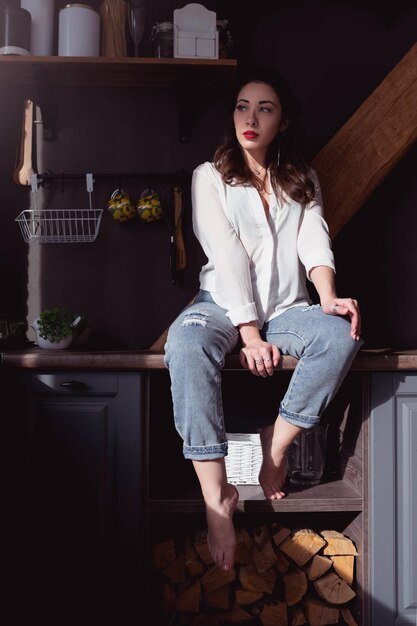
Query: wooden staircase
point(361, 154)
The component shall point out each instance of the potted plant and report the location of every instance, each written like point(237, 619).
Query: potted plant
point(54, 328)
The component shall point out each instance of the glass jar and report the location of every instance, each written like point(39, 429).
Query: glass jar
point(307, 455)
point(163, 39)
point(225, 39)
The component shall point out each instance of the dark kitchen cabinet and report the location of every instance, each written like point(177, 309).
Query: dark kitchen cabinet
point(72, 537)
point(84, 494)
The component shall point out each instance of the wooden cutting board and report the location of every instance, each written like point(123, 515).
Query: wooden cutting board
point(24, 169)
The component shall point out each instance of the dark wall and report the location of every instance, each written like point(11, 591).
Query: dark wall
point(333, 53)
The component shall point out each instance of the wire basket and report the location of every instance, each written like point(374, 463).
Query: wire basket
point(244, 458)
point(60, 225)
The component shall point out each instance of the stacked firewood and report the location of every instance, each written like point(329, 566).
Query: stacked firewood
point(280, 578)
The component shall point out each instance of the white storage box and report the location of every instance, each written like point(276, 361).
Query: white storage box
point(244, 458)
point(195, 33)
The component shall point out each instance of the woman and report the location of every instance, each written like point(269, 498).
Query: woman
point(257, 213)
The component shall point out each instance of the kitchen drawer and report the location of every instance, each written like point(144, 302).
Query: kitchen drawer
point(74, 383)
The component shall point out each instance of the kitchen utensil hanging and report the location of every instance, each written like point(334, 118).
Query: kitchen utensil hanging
point(24, 168)
point(60, 225)
point(177, 254)
point(181, 256)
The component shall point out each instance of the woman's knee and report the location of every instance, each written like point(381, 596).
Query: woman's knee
point(188, 343)
point(335, 336)
point(198, 333)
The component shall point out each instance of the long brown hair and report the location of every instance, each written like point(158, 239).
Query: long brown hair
point(293, 174)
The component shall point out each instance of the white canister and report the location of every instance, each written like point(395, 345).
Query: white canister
point(79, 31)
point(42, 27)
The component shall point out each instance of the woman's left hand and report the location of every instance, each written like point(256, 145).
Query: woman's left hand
point(260, 357)
point(345, 306)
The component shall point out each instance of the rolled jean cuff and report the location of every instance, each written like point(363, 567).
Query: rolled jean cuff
point(298, 419)
point(205, 453)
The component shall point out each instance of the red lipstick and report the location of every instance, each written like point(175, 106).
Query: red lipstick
point(250, 134)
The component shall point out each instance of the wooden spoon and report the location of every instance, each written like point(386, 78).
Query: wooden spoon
point(24, 169)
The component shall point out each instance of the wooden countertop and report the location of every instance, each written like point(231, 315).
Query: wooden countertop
point(35, 358)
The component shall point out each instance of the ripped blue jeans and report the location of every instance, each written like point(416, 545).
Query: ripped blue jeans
point(201, 337)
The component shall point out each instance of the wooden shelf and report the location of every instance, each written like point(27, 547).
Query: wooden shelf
point(35, 358)
point(330, 497)
point(109, 71)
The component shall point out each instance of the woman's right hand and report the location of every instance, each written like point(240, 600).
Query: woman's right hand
point(256, 355)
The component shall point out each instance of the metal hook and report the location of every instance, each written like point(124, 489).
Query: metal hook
point(34, 187)
point(90, 184)
point(34, 183)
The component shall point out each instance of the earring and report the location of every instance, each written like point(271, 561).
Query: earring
point(279, 148)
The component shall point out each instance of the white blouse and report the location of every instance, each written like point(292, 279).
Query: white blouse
point(257, 264)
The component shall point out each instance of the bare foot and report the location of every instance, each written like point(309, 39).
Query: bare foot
point(221, 537)
point(274, 469)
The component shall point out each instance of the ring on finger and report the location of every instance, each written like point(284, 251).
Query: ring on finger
point(259, 362)
point(335, 307)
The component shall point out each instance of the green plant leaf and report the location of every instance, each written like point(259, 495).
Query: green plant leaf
point(55, 324)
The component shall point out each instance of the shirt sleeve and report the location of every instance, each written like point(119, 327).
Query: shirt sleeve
point(313, 242)
point(222, 247)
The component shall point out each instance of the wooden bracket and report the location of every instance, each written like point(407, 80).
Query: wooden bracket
point(193, 96)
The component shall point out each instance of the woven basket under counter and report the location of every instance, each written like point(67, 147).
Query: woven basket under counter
point(244, 458)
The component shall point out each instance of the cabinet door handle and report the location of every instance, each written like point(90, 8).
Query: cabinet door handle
point(73, 384)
